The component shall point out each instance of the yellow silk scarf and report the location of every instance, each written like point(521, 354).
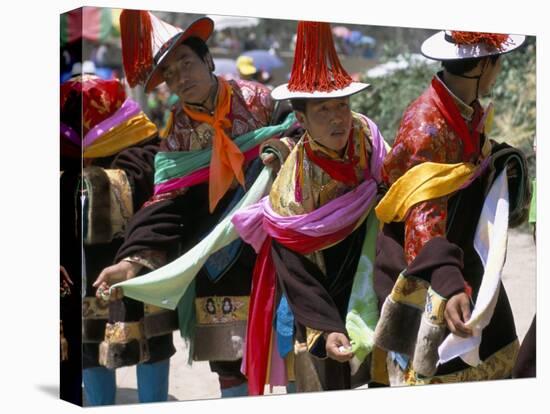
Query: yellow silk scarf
point(423, 182)
point(129, 133)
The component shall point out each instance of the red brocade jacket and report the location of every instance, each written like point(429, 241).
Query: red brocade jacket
point(436, 239)
point(423, 136)
point(251, 108)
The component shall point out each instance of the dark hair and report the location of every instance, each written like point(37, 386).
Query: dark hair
point(197, 45)
point(298, 104)
point(461, 66)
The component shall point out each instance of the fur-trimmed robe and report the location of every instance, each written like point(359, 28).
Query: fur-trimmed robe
point(440, 233)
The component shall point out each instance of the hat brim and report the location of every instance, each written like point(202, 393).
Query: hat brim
point(437, 47)
point(201, 28)
point(281, 92)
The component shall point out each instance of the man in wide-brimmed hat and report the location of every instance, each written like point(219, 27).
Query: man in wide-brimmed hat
point(445, 315)
point(208, 175)
point(317, 238)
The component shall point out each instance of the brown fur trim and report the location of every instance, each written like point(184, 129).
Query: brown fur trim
point(98, 218)
point(221, 342)
point(307, 377)
point(397, 327)
point(426, 354)
point(121, 202)
point(109, 204)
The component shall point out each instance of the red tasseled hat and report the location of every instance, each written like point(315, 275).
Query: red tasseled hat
point(453, 45)
point(136, 31)
point(495, 40)
point(316, 71)
point(147, 41)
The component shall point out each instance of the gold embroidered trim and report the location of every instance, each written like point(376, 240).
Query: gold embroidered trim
point(318, 187)
point(221, 309)
point(435, 307)
point(497, 366)
point(379, 368)
point(410, 291)
point(289, 362)
point(312, 336)
point(124, 332)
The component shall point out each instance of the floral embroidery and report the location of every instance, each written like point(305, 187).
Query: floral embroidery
point(423, 135)
point(221, 309)
point(251, 107)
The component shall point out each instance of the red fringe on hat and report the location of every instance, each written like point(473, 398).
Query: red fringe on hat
point(137, 52)
point(495, 40)
point(316, 66)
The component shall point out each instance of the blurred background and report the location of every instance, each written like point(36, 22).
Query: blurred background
point(386, 57)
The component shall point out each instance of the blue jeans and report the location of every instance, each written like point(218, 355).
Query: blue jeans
point(152, 380)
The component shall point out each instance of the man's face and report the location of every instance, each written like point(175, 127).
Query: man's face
point(328, 121)
point(489, 76)
point(187, 75)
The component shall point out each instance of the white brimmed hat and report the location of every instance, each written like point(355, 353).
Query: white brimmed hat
point(316, 72)
point(454, 45)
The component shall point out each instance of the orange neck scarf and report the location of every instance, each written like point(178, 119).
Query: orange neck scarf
point(227, 160)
